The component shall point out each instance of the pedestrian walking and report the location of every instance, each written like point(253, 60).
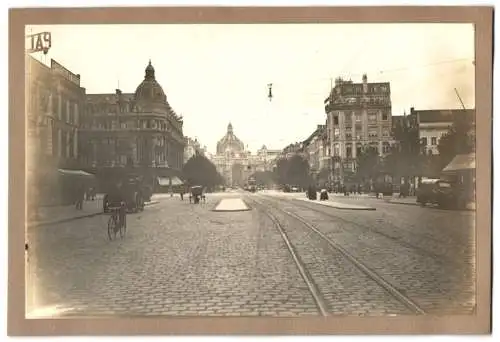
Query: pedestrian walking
point(80, 195)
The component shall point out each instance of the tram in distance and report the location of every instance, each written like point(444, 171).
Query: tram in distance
point(252, 184)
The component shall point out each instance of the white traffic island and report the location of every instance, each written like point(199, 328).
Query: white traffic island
point(231, 204)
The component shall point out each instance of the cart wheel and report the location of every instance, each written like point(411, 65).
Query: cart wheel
point(112, 227)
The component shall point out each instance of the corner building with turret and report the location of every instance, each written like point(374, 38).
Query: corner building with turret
point(132, 133)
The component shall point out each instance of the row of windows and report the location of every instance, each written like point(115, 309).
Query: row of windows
point(434, 141)
point(359, 149)
point(372, 117)
point(357, 89)
point(123, 107)
point(127, 124)
point(371, 134)
point(63, 108)
point(371, 101)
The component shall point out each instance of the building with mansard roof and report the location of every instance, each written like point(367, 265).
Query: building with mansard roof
point(133, 132)
point(358, 116)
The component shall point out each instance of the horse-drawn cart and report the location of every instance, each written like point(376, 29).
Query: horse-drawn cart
point(196, 194)
point(130, 190)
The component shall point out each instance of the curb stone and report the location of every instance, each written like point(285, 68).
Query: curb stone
point(74, 218)
point(342, 206)
point(418, 204)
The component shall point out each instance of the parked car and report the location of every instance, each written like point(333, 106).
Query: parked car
point(444, 193)
point(426, 192)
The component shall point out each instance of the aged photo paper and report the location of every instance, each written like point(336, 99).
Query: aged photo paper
point(250, 170)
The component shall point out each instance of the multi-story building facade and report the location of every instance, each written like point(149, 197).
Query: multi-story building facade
point(264, 159)
point(315, 147)
point(55, 101)
point(192, 147)
point(235, 163)
point(433, 124)
point(358, 115)
point(293, 149)
point(134, 131)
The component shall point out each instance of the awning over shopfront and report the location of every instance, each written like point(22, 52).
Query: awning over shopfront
point(165, 181)
point(461, 162)
point(76, 173)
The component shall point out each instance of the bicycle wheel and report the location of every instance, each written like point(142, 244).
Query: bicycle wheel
point(123, 227)
point(112, 227)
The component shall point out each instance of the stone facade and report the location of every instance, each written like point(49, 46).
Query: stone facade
point(433, 124)
point(55, 102)
point(193, 147)
point(138, 130)
point(315, 149)
point(358, 115)
point(235, 163)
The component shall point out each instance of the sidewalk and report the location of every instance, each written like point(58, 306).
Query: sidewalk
point(60, 214)
point(413, 201)
point(337, 205)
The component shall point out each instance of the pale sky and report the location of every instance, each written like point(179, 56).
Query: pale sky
point(216, 74)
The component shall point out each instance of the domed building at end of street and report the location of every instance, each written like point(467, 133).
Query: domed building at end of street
point(236, 164)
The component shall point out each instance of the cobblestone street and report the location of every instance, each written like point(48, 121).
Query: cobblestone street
point(184, 259)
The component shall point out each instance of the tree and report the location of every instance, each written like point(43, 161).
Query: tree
point(263, 178)
point(323, 175)
point(460, 139)
point(368, 164)
point(198, 170)
point(298, 171)
point(405, 158)
point(280, 173)
point(294, 171)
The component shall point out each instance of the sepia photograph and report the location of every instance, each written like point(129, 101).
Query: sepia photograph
point(273, 170)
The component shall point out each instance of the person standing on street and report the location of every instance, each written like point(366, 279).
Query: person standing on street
point(80, 194)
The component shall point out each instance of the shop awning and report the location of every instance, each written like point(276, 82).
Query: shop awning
point(461, 162)
point(76, 173)
point(165, 181)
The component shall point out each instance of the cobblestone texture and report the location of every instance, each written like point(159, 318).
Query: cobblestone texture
point(345, 289)
point(177, 259)
point(183, 260)
point(427, 253)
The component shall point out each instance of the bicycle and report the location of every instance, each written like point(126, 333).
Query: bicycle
point(115, 224)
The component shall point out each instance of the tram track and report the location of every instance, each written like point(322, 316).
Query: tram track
point(439, 258)
point(398, 295)
point(311, 285)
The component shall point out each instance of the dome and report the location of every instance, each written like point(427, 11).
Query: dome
point(150, 90)
point(230, 142)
